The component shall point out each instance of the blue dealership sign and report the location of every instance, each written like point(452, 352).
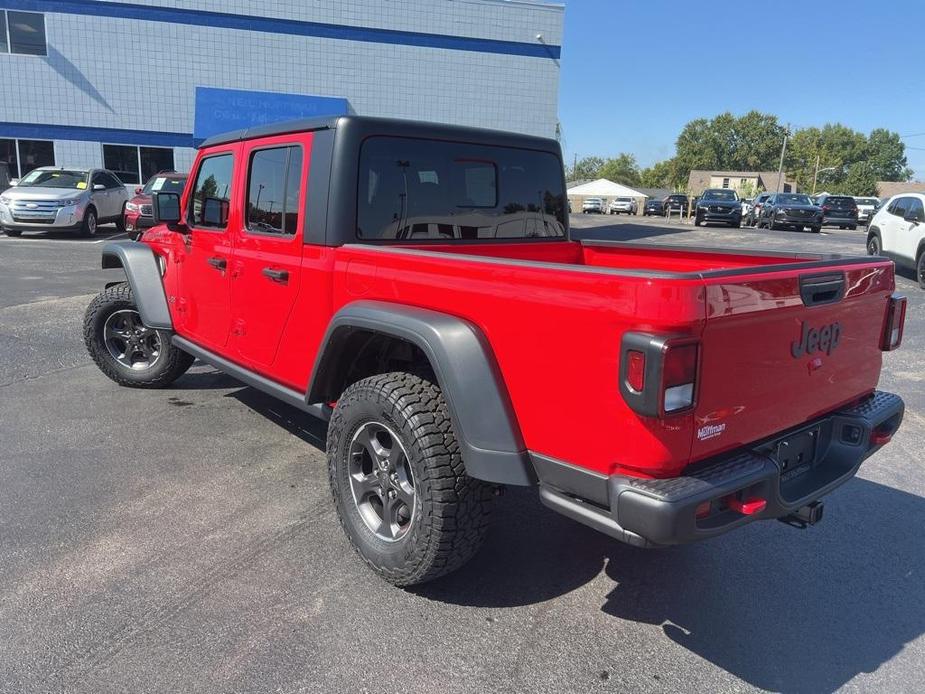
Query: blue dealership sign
point(221, 110)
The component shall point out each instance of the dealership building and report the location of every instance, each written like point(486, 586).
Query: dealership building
point(134, 86)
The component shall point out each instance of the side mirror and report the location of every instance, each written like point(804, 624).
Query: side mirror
point(99, 186)
point(138, 190)
point(166, 210)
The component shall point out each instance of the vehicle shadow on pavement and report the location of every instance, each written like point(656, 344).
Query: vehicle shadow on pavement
point(102, 233)
point(311, 430)
point(782, 609)
point(790, 611)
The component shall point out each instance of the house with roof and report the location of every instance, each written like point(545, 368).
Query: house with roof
point(748, 181)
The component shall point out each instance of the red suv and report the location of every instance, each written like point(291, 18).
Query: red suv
point(415, 285)
point(138, 215)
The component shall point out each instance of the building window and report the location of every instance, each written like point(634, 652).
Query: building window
point(135, 165)
point(273, 190)
point(743, 182)
point(725, 183)
point(26, 155)
point(23, 32)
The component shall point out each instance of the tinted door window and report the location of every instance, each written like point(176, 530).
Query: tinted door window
point(412, 189)
point(212, 193)
point(273, 190)
point(4, 47)
point(914, 209)
point(27, 33)
point(900, 206)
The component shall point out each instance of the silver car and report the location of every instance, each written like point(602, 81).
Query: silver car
point(59, 199)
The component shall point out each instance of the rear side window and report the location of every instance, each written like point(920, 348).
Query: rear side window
point(212, 193)
point(417, 190)
point(273, 184)
point(900, 207)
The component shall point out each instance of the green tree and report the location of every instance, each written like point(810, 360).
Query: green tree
point(621, 169)
point(887, 156)
point(750, 142)
point(661, 174)
point(860, 179)
point(586, 168)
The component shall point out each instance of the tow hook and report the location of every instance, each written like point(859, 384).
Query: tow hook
point(804, 517)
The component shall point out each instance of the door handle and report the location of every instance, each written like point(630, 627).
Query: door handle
point(218, 263)
point(281, 276)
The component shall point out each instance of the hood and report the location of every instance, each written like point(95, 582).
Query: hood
point(141, 199)
point(40, 193)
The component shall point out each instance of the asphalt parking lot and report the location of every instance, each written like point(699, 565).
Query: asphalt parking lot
point(183, 540)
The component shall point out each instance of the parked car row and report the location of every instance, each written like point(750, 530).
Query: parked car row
point(72, 199)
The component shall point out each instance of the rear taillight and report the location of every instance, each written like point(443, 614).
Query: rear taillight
point(678, 377)
point(658, 375)
point(636, 371)
point(893, 325)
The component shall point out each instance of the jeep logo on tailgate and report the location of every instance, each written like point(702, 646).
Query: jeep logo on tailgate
point(812, 340)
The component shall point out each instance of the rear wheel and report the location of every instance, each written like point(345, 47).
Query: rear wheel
point(126, 350)
point(398, 480)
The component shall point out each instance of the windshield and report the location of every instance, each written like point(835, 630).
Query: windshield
point(868, 201)
point(794, 199)
point(728, 195)
point(157, 184)
point(624, 200)
point(54, 179)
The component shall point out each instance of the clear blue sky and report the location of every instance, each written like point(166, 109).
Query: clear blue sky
point(635, 71)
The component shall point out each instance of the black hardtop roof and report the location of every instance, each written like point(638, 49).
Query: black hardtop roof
point(387, 126)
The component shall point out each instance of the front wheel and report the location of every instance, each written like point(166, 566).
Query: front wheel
point(399, 483)
point(126, 350)
point(120, 222)
point(853, 227)
point(88, 227)
point(873, 246)
point(920, 269)
point(816, 230)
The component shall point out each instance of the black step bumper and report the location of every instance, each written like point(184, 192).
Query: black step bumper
point(708, 500)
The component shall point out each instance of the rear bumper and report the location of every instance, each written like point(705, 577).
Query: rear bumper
point(846, 221)
point(658, 512)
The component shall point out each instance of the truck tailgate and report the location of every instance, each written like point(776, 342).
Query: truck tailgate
point(783, 345)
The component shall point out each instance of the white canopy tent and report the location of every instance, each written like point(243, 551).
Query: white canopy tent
point(604, 189)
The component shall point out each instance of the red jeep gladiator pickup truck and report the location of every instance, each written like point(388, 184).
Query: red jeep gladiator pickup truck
point(416, 285)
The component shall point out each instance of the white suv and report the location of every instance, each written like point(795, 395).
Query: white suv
point(897, 230)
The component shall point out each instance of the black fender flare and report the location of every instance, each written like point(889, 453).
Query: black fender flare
point(144, 277)
point(463, 362)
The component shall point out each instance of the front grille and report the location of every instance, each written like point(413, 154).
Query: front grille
point(800, 213)
point(34, 211)
point(720, 208)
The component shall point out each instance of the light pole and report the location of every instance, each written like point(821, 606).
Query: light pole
point(819, 171)
point(780, 169)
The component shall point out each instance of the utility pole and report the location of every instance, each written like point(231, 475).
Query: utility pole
point(780, 169)
point(815, 174)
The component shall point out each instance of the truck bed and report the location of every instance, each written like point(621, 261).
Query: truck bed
point(555, 312)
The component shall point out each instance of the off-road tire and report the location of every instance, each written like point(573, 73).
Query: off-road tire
point(90, 223)
point(168, 367)
point(451, 509)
